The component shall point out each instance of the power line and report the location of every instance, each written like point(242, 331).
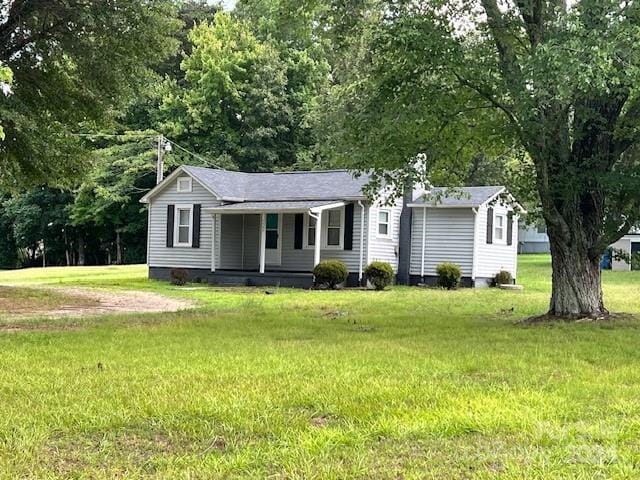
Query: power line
point(195, 155)
point(206, 161)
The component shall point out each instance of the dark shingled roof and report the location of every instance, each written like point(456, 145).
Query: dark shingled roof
point(458, 197)
point(248, 187)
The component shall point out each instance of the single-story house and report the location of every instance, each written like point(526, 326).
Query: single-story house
point(630, 245)
point(238, 228)
point(533, 238)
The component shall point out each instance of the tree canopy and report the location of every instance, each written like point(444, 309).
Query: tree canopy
point(555, 81)
point(74, 63)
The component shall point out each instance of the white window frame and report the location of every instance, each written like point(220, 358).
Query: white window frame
point(503, 227)
point(389, 223)
point(176, 226)
point(188, 189)
point(325, 231)
point(305, 232)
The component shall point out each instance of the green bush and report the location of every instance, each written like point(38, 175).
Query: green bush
point(635, 261)
point(330, 273)
point(502, 278)
point(380, 274)
point(449, 275)
point(179, 276)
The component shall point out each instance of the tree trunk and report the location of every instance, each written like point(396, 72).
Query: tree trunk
point(118, 248)
point(576, 290)
point(81, 259)
point(67, 252)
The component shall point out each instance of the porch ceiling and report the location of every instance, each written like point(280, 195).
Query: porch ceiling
point(283, 206)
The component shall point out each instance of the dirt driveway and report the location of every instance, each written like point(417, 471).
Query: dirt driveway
point(78, 301)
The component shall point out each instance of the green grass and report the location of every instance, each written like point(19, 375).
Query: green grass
point(407, 383)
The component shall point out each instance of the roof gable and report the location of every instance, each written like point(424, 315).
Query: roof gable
point(458, 197)
point(259, 187)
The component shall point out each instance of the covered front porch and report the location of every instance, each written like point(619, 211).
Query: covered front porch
point(276, 243)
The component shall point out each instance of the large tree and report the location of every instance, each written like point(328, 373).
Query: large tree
point(234, 105)
point(74, 62)
point(553, 79)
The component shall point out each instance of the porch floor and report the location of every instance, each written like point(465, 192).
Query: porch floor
point(255, 278)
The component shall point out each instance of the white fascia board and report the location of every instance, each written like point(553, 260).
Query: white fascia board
point(180, 170)
point(513, 199)
point(422, 205)
point(329, 206)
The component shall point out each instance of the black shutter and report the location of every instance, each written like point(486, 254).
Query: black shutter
point(490, 225)
point(348, 226)
point(297, 231)
point(510, 229)
point(171, 211)
point(195, 242)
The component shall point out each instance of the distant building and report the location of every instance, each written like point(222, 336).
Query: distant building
point(533, 238)
point(630, 245)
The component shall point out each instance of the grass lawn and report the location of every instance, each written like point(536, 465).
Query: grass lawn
point(402, 384)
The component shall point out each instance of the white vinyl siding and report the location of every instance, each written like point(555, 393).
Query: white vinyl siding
point(176, 257)
point(384, 249)
point(449, 238)
point(496, 256)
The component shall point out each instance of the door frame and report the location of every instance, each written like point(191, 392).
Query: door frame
point(277, 252)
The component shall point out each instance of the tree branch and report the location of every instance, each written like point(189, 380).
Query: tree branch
point(503, 42)
point(531, 13)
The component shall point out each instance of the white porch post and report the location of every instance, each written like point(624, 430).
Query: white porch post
point(318, 239)
point(424, 241)
point(263, 240)
point(213, 242)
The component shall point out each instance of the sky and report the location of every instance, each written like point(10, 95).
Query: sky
point(228, 4)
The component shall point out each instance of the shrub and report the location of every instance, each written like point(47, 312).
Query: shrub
point(635, 261)
point(502, 278)
point(380, 274)
point(179, 276)
point(330, 273)
point(449, 275)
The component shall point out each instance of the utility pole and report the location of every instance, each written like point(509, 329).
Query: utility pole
point(164, 146)
point(160, 164)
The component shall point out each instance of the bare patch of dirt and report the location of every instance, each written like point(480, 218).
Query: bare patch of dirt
point(119, 301)
point(74, 302)
point(21, 300)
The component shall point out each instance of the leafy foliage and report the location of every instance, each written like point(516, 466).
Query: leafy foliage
point(552, 85)
point(503, 277)
point(74, 64)
point(179, 276)
point(6, 77)
point(330, 273)
point(234, 105)
point(380, 274)
point(449, 275)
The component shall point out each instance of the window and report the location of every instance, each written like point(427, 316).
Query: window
point(542, 228)
point(272, 231)
point(184, 184)
point(499, 223)
point(384, 223)
point(184, 221)
point(332, 229)
point(311, 231)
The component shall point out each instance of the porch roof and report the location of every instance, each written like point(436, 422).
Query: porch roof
point(279, 206)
